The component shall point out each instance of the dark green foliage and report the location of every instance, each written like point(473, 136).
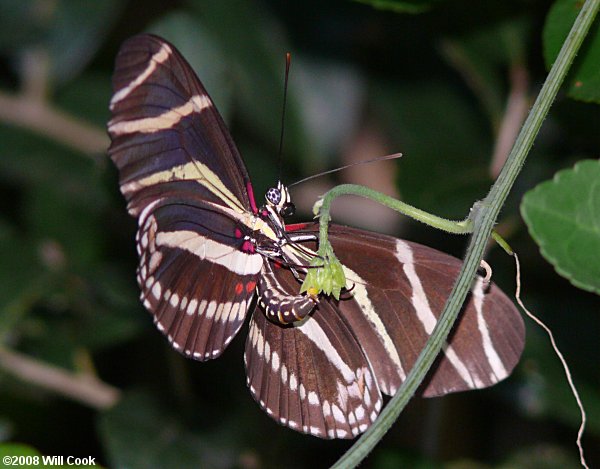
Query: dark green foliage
point(563, 216)
point(584, 79)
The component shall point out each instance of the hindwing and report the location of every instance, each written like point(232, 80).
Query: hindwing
point(195, 279)
point(313, 376)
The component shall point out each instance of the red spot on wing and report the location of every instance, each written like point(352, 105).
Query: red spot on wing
point(239, 288)
point(296, 226)
point(250, 286)
point(251, 197)
point(238, 233)
point(247, 246)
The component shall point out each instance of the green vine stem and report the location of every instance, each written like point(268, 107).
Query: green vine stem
point(483, 218)
point(324, 204)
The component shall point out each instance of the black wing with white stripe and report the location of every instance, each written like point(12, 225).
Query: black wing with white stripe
point(394, 314)
point(195, 282)
point(185, 181)
point(313, 376)
point(167, 136)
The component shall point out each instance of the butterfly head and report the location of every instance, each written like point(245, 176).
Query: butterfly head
point(279, 198)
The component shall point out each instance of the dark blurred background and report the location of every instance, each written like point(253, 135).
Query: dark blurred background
point(447, 85)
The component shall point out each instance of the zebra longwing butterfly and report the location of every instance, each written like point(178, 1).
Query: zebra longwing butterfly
point(208, 254)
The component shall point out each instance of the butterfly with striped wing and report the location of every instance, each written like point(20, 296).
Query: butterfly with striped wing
point(209, 255)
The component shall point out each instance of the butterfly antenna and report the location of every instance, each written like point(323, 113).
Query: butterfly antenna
point(358, 163)
point(288, 60)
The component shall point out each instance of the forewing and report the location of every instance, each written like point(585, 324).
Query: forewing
point(166, 132)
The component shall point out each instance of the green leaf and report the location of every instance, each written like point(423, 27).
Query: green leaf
point(563, 216)
point(401, 6)
point(583, 81)
point(138, 433)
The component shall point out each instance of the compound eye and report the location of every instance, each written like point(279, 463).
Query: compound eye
point(288, 209)
point(273, 196)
